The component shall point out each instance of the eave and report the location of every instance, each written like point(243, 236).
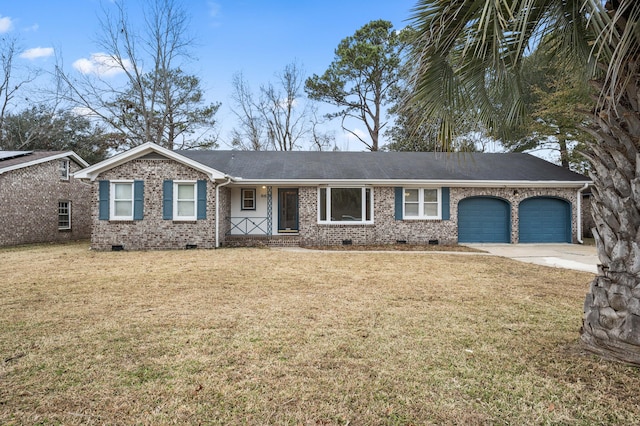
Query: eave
point(413, 182)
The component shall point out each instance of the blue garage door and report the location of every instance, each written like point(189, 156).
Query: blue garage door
point(544, 220)
point(484, 220)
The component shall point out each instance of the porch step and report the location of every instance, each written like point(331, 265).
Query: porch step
point(261, 241)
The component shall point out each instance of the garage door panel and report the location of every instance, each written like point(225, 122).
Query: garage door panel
point(544, 220)
point(484, 220)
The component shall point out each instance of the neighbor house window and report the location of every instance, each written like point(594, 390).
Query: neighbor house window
point(422, 203)
point(64, 215)
point(345, 205)
point(63, 166)
point(121, 201)
point(248, 196)
point(184, 200)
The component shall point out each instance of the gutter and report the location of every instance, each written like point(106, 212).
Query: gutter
point(579, 218)
point(417, 182)
point(229, 180)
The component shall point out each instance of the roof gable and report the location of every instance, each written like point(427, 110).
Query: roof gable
point(148, 150)
point(13, 160)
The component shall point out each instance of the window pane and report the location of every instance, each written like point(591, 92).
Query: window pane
point(123, 191)
point(248, 199)
point(186, 192)
point(411, 195)
point(63, 215)
point(346, 204)
point(367, 207)
point(411, 209)
point(64, 169)
point(123, 208)
point(186, 208)
point(431, 195)
point(431, 209)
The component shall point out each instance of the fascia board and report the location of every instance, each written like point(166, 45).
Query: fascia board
point(91, 173)
point(414, 182)
point(69, 154)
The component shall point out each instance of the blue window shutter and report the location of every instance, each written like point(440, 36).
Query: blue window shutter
point(398, 208)
point(167, 200)
point(445, 203)
point(138, 199)
point(103, 197)
point(202, 199)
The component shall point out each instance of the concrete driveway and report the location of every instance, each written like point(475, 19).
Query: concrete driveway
point(570, 256)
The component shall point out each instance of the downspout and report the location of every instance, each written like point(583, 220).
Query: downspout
point(579, 218)
point(229, 180)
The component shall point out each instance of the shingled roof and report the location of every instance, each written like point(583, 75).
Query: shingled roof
point(382, 166)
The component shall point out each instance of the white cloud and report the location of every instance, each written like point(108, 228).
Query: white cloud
point(360, 134)
point(83, 112)
point(214, 9)
point(101, 64)
point(34, 27)
point(6, 24)
point(37, 52)
point(347, 141)
point(214, 13)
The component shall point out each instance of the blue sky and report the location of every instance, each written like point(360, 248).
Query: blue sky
point(257, 38)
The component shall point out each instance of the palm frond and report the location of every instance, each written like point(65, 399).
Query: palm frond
point(485, 41)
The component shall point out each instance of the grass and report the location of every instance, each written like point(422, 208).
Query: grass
point(255, 336)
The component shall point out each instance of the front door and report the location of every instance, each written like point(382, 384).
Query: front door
point(288, 210)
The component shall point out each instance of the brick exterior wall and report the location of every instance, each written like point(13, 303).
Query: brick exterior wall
point(387, 230)
point(587, 217)
point(225, 211)
point(514, 196)
point(29, 198)
point(153, 232)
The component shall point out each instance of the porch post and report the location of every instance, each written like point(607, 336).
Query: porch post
point(269, 210)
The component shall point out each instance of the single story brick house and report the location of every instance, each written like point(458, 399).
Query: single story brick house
point(40, 199)
point(153, 198)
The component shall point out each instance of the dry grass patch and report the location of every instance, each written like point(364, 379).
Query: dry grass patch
point(250, 336)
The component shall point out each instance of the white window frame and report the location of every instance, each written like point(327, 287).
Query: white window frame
point(176, 184)
point(63, 169)
point(68, 215)
point(421, 215)
point(112, 200)
point(363, 212)
point(243, 198)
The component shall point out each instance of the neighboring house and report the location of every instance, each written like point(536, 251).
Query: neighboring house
point(41, 200)
point(153, 198)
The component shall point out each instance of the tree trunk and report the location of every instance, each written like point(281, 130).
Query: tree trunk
point(611, 325)
point(564, 151)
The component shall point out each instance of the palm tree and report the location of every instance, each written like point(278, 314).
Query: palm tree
point(468, 55)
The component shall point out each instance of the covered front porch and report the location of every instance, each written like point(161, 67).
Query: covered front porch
point(262, 213)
